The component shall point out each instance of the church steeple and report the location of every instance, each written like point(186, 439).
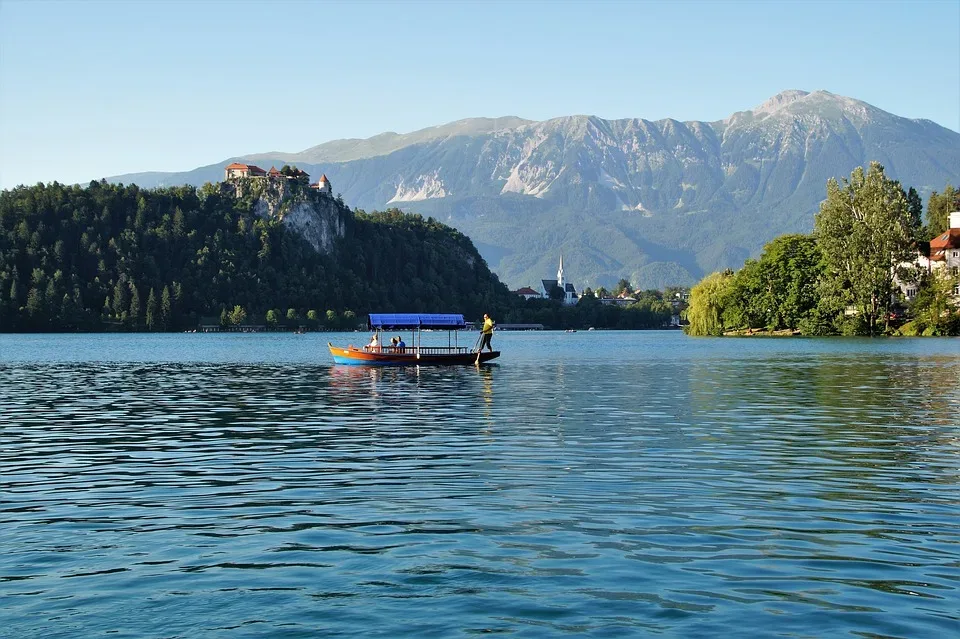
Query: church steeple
point(560, 273)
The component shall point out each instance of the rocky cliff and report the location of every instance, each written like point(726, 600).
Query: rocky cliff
point(320, 219)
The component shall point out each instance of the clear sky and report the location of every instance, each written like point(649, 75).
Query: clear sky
point(90, 89)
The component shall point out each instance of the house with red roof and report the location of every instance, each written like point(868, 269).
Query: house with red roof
point(942, 255)
point(945, 251)
point(239, 170)
point(527, 293)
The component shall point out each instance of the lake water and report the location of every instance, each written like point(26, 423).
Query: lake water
point(604, 484)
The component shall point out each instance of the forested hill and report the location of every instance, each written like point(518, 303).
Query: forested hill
point(115, 257)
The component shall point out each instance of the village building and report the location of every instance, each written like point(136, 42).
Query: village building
point(942, 256)
point(237, 170)
point(527, 293)
point(570, 296)
point(945, 252)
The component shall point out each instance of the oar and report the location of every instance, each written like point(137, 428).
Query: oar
point(479, 337)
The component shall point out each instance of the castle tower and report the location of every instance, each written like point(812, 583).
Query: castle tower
point(324, 185)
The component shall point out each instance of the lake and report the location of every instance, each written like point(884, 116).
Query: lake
point(599, 484)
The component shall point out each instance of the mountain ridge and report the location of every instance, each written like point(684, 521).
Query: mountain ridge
point(658, 202)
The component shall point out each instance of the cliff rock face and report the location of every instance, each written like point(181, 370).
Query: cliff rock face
point(320, 219)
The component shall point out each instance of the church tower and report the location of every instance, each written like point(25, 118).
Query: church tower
point(560, 273)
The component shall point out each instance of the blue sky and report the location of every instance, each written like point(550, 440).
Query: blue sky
point(90, 89)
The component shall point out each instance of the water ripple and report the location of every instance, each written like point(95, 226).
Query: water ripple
point(670, 486)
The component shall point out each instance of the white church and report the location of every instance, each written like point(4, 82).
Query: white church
point(569, 292)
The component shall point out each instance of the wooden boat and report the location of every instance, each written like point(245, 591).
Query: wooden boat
point(416, 353)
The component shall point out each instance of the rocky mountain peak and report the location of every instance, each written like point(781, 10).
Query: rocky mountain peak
point(780, 100)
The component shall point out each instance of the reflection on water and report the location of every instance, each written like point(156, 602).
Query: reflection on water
point(583, 487)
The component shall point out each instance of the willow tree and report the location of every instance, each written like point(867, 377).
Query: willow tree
point(708, 300)
point(864, 231)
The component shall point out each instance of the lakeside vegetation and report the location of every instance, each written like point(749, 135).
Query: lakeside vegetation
point(109, 257)
point(114, 257)
point(841, 280)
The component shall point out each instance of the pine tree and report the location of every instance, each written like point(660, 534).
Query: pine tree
point(165, 309)
point(915, 206)
point(134, 313)
point(151, 310)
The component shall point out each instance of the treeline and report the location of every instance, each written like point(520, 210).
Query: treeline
point(115, 257)
point(651, 310)
point(842, 279)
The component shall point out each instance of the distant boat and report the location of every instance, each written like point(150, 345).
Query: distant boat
point(416, 354)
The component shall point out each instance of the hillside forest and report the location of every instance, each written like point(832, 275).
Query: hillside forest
point(858, 273)
point(107, 257)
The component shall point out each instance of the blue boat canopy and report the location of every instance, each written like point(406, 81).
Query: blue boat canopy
point(446, 321)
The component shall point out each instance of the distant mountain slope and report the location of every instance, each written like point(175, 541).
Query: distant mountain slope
point(656, 202)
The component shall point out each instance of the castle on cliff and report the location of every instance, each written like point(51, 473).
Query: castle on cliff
point(238, 170)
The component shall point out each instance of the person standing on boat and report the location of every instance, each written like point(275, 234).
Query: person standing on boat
point(401, 345)
point(486, 333)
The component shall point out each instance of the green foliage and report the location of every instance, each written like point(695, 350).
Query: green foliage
point(237, 316)
point(102, 246)
point(864, 231)
point(708, 301)
point(933, 308)
point(939, 207)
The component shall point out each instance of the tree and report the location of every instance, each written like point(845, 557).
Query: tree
point(933, 309)
point(291, 314)
point(939, 207)
point(915, 206)
point(708, 300)
point(134, 314)
point(623, 286)
point(790, 270)
point(121, 299)
point(151, 317)
point(237, 316)
point(34, 302)
point(271, 318)
point(165, 308)
point(864, 231)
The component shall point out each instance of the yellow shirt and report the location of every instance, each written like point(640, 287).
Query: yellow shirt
point(488, 325)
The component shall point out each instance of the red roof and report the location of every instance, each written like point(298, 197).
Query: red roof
point(249, 167)
point(323, 178)
point(526, 290)
point(948, 239)
point(273, 171)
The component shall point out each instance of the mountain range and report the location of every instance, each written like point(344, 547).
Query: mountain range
point(656, 202)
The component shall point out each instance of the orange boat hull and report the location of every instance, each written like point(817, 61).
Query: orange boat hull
point(410, 357)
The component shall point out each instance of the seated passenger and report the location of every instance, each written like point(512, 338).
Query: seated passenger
point(374, 345)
